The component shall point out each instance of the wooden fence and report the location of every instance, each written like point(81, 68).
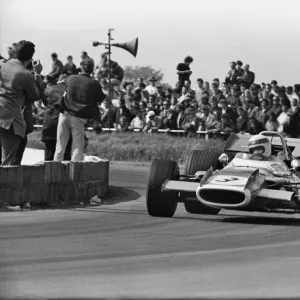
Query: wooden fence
point(53, 183)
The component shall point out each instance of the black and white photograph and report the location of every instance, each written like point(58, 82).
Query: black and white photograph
point(149, 149)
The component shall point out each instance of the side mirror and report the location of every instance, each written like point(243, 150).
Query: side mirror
point(223, 159)
point(295, 164)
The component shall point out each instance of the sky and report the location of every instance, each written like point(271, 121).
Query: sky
point(263, 33)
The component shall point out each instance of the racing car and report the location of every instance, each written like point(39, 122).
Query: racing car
point(234, 179)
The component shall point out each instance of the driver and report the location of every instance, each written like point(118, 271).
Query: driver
point(259, 147)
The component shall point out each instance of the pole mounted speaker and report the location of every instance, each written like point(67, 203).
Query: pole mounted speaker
point(131, 46)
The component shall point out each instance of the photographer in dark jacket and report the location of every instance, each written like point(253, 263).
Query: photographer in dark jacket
point(80, 103)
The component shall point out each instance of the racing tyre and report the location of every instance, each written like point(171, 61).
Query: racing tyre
point(159, 203)
point(201, 160)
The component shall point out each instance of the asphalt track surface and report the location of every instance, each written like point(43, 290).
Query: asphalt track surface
point(117, 250)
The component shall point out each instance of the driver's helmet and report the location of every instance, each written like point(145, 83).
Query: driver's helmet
point(260, 144)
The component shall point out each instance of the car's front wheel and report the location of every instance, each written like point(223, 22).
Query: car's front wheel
point(160, 203)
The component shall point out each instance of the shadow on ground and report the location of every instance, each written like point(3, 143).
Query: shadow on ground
point(120, 194)
point(262, 220)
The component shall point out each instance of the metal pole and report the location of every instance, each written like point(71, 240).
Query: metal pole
point(109, 75)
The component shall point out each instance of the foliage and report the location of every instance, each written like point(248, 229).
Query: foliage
point(133, 73)
point(139, 147)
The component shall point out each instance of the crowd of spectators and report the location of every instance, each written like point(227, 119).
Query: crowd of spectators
point(233, 104)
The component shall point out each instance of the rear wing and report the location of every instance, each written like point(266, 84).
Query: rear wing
point(239, 143)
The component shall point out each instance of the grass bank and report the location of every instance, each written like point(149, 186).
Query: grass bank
point(137, 147)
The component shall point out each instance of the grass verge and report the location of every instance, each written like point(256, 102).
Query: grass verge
point(137, 147)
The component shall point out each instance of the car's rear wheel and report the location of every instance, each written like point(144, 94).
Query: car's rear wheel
point(200, 160)
point(159, 203)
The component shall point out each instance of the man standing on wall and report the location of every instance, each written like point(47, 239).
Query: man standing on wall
point(80, 103)
point(184, 72)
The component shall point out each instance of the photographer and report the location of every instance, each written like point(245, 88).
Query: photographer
point(80, 103)
point(19, 86)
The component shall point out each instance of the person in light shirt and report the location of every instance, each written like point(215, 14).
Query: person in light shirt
point(152, 89)
point(138, 122)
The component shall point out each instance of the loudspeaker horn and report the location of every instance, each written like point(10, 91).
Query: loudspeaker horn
point(131, 46)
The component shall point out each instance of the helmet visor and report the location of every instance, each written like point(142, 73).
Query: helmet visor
point(257, 150)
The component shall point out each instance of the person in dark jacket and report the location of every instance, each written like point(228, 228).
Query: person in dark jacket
point(53, 94)
point(80, 103)
point(70, 68)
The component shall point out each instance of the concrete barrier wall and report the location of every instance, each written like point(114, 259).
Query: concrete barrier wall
point(53, 183)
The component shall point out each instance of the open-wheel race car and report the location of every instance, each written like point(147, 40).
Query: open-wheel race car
point(236, 178)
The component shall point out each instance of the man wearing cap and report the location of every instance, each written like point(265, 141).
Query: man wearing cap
point(151, 88)
point(80, 103)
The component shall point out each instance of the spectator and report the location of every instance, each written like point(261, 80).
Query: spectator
point(207, 117)
point(294, 114)
point(227, 126)
point(253, 110)
point(283, 120)
point(184, 94)
point(239, 72)
point(180, 115)
point(214, 105)
point(228, 111)
point(263, 113)
point(170, 121)
point(174, 102)
point(254, 94)
point(276, 107)
point(207, 88)
point(116, 72)
point(53, 95)
point(129, 95)
point(274, 87)
point(57, 68)
point(122, 125)
point(152, 89)
point(200, 90)
point(248, 77)
point(215, 127)
point(191, 122)
point(83, 56)
point(289, 93)
point(169, 93)
point(18, 86)
point(234, 99)
point(70, 67)
point(122, 111)
point(153, 122)
point(215, 91)
point(272, 123)
point(138, 122)
point(254, 126)
point(160, 92)
point(242, 120)
point(108, 114)
point(79, 104)
point(165, 109)
point(231, 74)
point(184, 72)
